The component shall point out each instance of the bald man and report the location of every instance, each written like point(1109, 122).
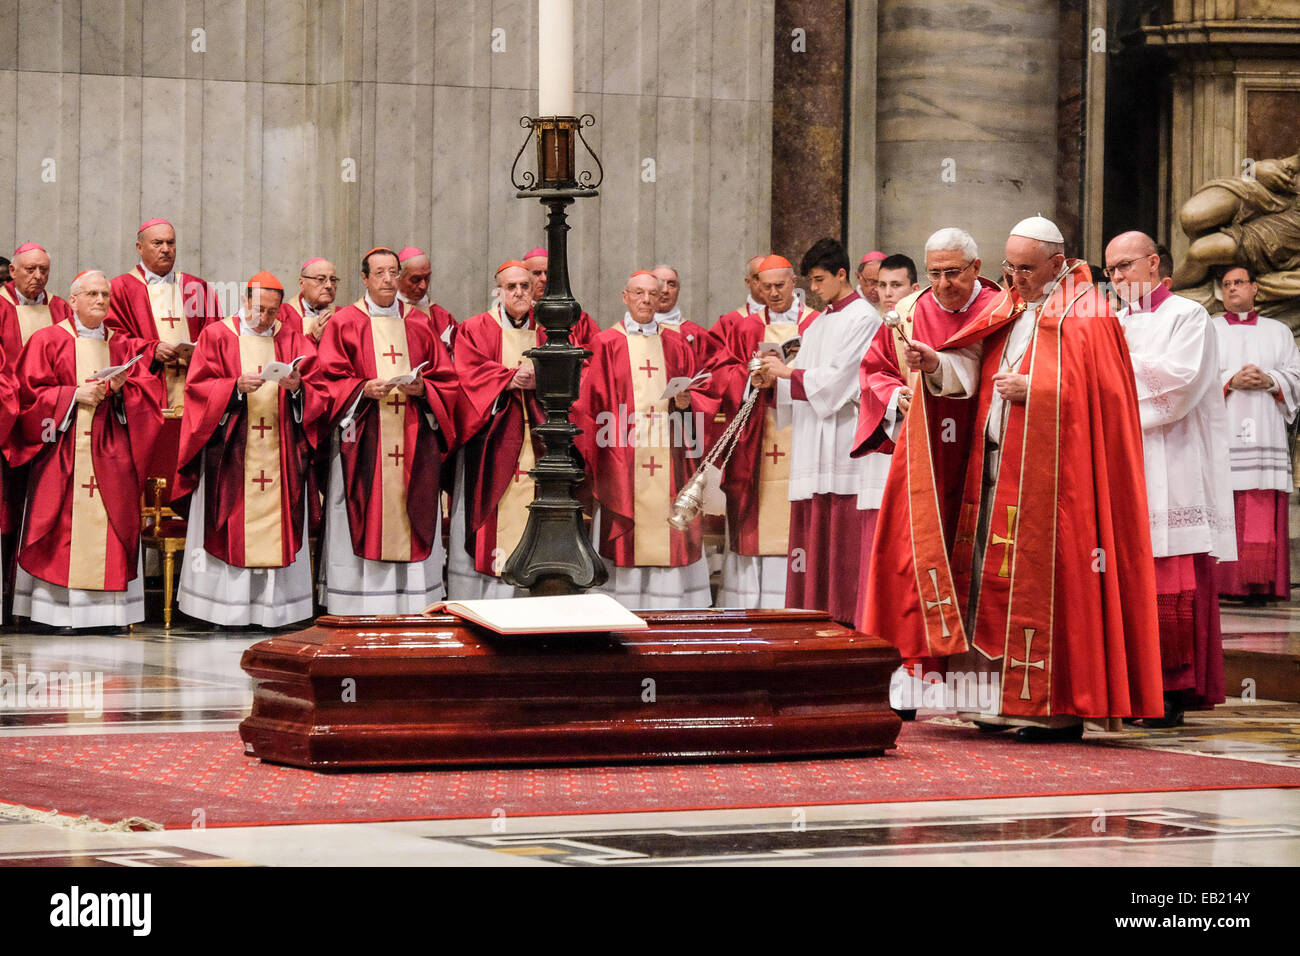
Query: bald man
point(640, 448)
point(25, 308)
point(164, 307)
point(1175, 357)
point(413, 289)
point(309, 310)
point(754, 301)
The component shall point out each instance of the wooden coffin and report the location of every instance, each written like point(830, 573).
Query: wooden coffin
point(360, 692)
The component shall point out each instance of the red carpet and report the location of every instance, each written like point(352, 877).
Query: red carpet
point(168, 777)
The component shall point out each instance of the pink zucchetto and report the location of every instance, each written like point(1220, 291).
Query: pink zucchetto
point(537, 254)
point(28, 247)
point(410, 252)
point(311, 262)
point(150, 223)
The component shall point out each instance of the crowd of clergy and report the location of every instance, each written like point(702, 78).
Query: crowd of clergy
point(1050, 475)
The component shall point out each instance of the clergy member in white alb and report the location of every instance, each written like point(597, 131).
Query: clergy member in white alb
point(1259, 366)
point(1175, 358)
point(818, 394)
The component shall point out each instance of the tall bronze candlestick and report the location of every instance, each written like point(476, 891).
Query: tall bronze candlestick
point(555, 554)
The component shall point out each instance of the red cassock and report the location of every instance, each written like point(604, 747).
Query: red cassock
point(607, 414)
point(880, 373)
point(732, 344)
point(217, 449)
point(493, 441)
point(347, 361)
point(118, 450)
point(1066, 604)
point(17, 324)
point(8, 418)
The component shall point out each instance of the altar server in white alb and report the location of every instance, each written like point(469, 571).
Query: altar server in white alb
point(819, 394)
point(1259, 366)
point(1185, 443)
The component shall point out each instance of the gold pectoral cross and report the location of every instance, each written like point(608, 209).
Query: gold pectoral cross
point(931, 605)
point(1009, 541)
point(1027, 663)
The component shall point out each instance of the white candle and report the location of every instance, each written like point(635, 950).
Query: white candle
point(555, 58)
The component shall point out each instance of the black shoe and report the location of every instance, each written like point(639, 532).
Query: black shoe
point(1173, 713)
point(904, 715)
point(1050, 735)
point(987, 728)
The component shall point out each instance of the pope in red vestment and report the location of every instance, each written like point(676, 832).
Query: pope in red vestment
point(247, 442)
point(88, 443)
point(497, 411)
point(635, 444)
point(390, 439)
point(1049, 593)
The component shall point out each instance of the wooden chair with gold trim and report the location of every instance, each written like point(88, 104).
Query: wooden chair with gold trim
point(163, 530)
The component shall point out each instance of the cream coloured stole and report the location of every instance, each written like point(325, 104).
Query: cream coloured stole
point(263, 502)
point(88, 545)
point(392, 358)
point(167, 305)
point(774, 465)
point(652, 459)
point(30, 317)
point(512, 509)
point(311, 324)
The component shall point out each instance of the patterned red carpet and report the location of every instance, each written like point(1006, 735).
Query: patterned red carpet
point(174, 779)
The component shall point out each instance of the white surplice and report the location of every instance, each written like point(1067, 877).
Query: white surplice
point(1259, 453)
point(825, 425)
point(1175, 357)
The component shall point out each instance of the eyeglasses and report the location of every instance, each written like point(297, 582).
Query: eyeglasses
point(332, 280)
point(1025, 272)
point(1111, 271)
point(949, 274)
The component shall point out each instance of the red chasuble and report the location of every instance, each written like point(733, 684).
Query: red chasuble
point(17, 323)
point(170, 312)
point(391, 451)
point(757, 479)
point(1065, 603)
point(496, 422)
point(883, 370)
point(635, 448)
point(8, 416)
point(256, 461)
point(83, 505)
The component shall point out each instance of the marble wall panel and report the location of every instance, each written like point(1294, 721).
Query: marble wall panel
point(165, 44)
point(516, 68)
point(285, 33)
point(463, 42)
point(111, 37)
point(242, 145)
point(458, 235)
point(288, 172)
point(8, 158)
point(108, 199)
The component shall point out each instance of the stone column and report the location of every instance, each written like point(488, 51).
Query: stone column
point(808, 111)
point(967, 120)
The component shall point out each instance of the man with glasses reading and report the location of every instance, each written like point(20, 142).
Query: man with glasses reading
point(1259, 367)
point(1048, 585)
point(1185, 447)
point(309, 310)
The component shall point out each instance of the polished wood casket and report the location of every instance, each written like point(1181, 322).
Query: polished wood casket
point(358, 692)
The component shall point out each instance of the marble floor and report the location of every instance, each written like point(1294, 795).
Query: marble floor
point(191, 681)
